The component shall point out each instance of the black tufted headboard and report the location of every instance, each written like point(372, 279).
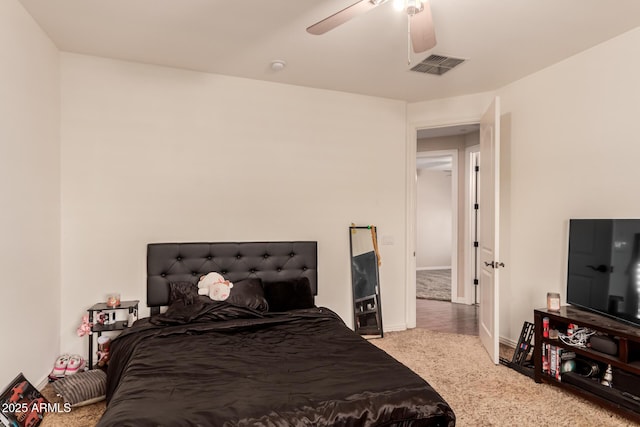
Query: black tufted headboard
point(269, 261)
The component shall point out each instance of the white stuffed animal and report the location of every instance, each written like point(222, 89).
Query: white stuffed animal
point(220, 291)
point(214, 286)
point(207, 280)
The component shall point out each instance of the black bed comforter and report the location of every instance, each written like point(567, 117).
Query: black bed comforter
point(214, 364)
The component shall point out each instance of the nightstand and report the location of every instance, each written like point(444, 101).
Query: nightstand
point(98, 329)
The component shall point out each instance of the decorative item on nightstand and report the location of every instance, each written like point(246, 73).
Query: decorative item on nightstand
point(110, 319)
point(85, 326)
point(133, 316)
point(113, 300)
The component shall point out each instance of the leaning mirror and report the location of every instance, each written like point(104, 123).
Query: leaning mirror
point(365, 280)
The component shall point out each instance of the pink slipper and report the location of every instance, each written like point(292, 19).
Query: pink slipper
point(60, 366)
point(76, 364)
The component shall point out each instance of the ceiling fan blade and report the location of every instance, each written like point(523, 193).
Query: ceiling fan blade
point(343, 16)
point(423, 36)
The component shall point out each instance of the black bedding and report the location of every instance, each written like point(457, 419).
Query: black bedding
point(216, 364)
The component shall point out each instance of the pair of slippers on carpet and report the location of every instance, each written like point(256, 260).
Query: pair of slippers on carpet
point(67, 364)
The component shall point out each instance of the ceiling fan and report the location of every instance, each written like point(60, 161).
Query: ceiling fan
point(420, 23)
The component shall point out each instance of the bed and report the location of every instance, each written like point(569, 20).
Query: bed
point(236, 363)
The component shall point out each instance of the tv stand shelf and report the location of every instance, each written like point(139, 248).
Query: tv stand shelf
point(626, 362)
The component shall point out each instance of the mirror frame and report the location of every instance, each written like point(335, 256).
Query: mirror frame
point(367, 309)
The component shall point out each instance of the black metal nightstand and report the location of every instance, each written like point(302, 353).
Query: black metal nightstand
point(98, 329)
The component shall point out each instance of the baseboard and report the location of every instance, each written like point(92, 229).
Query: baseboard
point(444, 267)
point(508, 342)
point(42, 383)
point(394, 328)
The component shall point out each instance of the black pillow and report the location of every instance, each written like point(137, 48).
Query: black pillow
point(248, 293)
point(185, 291)
point(285, 295)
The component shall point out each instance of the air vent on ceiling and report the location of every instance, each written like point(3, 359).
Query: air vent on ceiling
point(437, 64)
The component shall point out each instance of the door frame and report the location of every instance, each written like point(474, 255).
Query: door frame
point(454, 213)
point(471, 228)
point(411, 217)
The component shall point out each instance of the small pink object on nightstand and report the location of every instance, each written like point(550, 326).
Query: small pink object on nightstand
point(113, 300)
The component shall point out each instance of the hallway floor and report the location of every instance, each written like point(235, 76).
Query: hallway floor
point(445, 316)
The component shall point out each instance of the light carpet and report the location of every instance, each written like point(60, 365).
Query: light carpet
point(433, 284)
point(483, 394)
point(457, 366)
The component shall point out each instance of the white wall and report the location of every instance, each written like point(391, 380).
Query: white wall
point(434, 213)
point(30, 197)
point(152, 154)
point(574, 153)
point(569, 149)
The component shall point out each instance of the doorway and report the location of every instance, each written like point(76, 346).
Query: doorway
point(436, 219)
point(445, 228)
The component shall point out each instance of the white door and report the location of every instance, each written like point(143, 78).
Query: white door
point(489, 229)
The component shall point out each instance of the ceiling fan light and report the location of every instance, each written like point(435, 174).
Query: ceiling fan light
point(413, 7)
point(398, 5)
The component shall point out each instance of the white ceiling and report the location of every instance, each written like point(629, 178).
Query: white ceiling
point(435, 163)
point(456, 130)
point(502, 40)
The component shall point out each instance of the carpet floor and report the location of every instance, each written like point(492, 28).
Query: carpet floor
point(480, 393)
point(483, 394)
point(433, 284)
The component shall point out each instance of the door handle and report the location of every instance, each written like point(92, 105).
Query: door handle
point(494, 264)
point(601, 268)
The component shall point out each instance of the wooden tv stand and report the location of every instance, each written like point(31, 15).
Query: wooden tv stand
point(626, 362)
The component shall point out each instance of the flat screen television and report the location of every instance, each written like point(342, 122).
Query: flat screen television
point(604, 267)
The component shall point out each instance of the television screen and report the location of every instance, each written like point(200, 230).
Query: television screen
point(604, 267)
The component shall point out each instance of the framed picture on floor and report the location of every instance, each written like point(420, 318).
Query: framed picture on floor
point(21, 404)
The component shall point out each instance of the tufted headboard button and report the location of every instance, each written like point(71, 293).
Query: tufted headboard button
point(209, 257)
point(238, 256)
point(179, 258)
point(292, 254)
point(266, 256)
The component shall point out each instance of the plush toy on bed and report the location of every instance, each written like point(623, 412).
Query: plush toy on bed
point(214, 286)
point(207, 280)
